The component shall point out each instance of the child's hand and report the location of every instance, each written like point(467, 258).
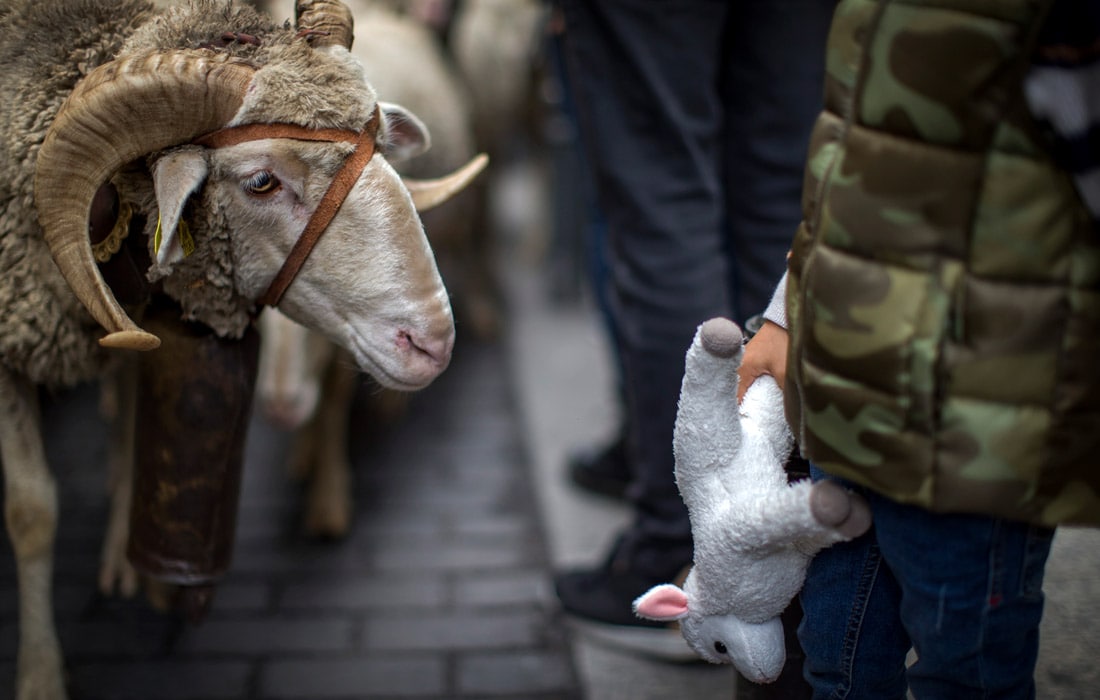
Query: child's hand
point(765, 353)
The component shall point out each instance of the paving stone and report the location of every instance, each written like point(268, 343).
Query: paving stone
point(288, 559)
point(107, 637)
point(269, 636)
point(315, 679)
point(366, 591)
point(262, 522)
point(515, 672)
point(374, 523)
point(237, 595)
point(490, 629)
point(160, 680)
point(494, 524)
point(483, 555)
point(503, 588)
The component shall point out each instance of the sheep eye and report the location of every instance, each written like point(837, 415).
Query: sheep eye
point(720, 648)
point(261, 183)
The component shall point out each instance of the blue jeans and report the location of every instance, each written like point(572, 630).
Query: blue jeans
point(964, 591)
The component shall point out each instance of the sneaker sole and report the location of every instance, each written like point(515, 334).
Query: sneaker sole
point(662, 644)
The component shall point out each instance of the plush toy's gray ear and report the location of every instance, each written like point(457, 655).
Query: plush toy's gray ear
point(176, 176)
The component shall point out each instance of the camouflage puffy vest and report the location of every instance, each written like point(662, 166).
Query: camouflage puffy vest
point(944, 288)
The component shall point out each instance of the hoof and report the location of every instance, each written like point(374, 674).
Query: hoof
point(845, 512)
point(194, 602)
point(721, 337)
point(328, 508)
point(330, 525)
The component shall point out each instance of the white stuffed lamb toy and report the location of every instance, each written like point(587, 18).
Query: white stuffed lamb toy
point(754, 533)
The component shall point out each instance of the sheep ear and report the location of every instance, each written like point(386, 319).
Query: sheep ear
point(665, 603)
point(405, 135)
point(176, 176)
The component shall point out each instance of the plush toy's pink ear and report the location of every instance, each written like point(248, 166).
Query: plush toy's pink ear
point(665, 603)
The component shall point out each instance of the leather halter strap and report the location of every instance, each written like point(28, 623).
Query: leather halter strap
point(330, 202)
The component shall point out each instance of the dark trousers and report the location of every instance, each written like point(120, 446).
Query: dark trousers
point(695, 116)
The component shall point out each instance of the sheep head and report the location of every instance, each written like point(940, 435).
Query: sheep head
point(370, 283)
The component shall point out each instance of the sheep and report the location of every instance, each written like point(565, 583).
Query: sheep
point(497, 47)
point(217, 134)
point(496, 44)
point(305, 385)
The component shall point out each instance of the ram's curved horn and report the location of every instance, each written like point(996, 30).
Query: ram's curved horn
point(324, 22)
point(427, 194)
point(121, 111)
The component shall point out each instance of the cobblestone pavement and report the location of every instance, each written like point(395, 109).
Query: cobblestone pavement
point(441, 589)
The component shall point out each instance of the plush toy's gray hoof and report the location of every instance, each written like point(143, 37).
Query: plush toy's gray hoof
point(721, 337)
point(842, 510)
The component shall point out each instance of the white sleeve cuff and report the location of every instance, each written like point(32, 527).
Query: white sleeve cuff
point(777, 307)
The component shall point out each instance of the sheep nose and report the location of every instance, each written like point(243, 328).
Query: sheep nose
point(436, 347)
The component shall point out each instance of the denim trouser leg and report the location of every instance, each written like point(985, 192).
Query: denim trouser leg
point(851, 632)
point(966, 590)
point(695, 116)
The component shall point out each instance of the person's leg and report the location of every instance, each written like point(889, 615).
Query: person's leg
point(644, 75)
point(773, 88)
point(851, 633)
point(604, 468)
point(972, 599)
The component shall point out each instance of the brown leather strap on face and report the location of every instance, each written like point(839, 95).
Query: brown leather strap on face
point(322, 216)
point(233, 135)
point(330, 202)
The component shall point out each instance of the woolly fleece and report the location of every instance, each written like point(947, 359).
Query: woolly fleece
point(46, 47)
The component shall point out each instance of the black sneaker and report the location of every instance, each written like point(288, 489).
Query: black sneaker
point(604, 470)
point(599, 602)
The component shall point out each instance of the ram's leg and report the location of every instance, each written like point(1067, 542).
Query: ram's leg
point(115, 570)
point(304, 449)
point(30, 511)
point(328, 501)
point(118, 405)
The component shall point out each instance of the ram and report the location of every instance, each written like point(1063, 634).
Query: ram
point(210, 149)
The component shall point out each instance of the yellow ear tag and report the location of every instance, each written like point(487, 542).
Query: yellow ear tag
point(187, 243)
point(156, 238)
